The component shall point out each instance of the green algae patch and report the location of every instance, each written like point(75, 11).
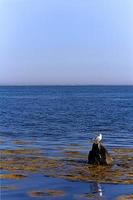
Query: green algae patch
point(73, 166)
point(126, 197)
point(52, 193)
point(12, 176)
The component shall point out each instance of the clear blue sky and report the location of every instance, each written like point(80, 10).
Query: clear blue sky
point(66, 42)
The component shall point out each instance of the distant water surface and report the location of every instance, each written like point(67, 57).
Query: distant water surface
point(57, 117)
point(68, 114)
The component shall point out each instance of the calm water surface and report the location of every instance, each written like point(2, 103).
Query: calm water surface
point(58, 116)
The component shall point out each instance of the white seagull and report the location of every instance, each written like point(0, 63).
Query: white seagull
point(98, 138)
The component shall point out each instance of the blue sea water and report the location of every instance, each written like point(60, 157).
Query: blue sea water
point(58, 116)
point(65, 114)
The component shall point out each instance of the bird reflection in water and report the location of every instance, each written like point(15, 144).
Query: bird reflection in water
point(96, 188)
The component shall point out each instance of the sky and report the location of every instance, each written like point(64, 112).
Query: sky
point(59, 42)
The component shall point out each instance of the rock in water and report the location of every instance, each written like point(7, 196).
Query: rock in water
point(99, 155)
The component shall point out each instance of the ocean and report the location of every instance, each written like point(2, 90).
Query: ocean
point(52, 118)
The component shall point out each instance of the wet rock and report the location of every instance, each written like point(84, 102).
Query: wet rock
point(99, 155)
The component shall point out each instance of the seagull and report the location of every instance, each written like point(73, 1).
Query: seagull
point(98, 138)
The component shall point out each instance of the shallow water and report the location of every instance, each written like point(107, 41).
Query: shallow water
point(74, 190)
point(55, 118)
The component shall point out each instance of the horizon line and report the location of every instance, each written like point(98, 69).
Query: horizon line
point(56, 85)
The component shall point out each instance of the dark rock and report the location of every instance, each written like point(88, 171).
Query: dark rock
point(99, 155)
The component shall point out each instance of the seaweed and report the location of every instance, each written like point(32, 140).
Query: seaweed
point(73, 166)
point(41, 193)
point(125, 197)
point(8, 187)
point(12, 176)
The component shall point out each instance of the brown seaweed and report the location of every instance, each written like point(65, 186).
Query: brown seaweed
point(12, 176)
point(73, 166)
point(41, 193)
point(126, 197)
